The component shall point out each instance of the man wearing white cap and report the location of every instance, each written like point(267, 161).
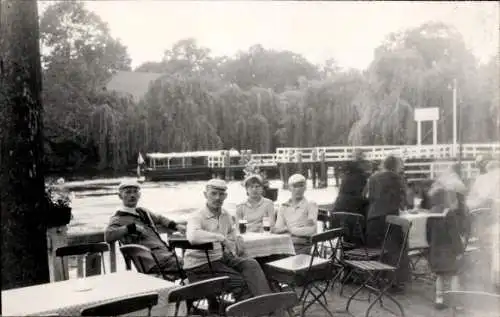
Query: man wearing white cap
point(214, 224)
point(137, 225)
point(298, 216)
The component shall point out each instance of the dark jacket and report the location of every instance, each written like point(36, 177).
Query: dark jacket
point(350, 197)
point(445, 243)
point(386, 194)
point(150, 238)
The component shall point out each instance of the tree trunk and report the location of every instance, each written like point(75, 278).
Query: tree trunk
point(22, 200)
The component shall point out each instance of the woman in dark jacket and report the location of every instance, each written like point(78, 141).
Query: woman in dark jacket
point(387, 195)
point(447, 235)
point(350, 197)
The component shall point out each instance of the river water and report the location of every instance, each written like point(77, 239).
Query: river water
point(94, 201)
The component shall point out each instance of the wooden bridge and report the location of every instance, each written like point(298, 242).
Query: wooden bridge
point(421, 161)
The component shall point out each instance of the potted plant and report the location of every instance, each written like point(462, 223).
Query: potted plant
point(58, 205)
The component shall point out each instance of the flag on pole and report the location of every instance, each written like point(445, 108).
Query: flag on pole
point(140, 159)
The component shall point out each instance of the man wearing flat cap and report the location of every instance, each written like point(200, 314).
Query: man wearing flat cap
point(298, 216)
point(214, 224)
point(137, 225)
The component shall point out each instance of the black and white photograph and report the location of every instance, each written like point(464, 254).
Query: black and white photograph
point(250, 158)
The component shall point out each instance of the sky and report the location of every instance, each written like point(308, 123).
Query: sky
point(345, 31)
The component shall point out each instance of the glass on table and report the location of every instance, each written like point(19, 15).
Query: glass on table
point(242, 224)
point(266, 224)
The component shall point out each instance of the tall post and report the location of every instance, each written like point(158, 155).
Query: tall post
point(23, 202)
point(419, 132)
point(434, 132)
point(455, 116)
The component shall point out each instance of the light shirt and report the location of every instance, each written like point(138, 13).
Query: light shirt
point(201, 228)
point(254, 214)
point(484, 190)
point(294, 218)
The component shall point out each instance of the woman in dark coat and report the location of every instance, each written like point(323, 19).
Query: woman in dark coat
point(447, 235)
point(350, 197)
point(387, 195)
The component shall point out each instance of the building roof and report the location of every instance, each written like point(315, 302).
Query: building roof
point(133, 83)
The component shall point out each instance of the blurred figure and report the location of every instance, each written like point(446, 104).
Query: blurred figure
point(447, 236)
point(350, 196)
point(386, 196)
point(486, 187)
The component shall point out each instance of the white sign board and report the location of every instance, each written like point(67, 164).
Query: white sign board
point(426, 114)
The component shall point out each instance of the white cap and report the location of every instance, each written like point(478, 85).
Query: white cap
point(129, 183)
point(217, 184)
point(253, 176)
point(296, 178)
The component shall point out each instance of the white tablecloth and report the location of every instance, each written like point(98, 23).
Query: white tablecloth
point(254, 245)
point(62, 298)
point(417, 238)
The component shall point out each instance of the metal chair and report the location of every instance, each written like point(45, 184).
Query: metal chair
point(354, 249)
point(483, 303)
point(263, 305)
point(312, 272)
point(376, 281)
point(194, 292)
point(82, 249)
point(123, 306)
point(138, 254)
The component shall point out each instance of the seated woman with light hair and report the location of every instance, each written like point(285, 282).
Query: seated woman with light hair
point(256, 209)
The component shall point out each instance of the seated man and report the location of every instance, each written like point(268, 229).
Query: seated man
point(137, 225)
point(213, 224)
point(298, 216)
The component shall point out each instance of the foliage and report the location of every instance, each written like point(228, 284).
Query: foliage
point(259, 99)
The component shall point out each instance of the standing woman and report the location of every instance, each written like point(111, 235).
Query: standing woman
point(386, 196)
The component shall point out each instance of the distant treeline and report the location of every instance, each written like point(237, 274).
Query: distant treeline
point(259, 99)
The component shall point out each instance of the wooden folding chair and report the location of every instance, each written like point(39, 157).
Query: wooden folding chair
point(137, 254)
point(263, 305)
point(181, 242)
point(82, 249)
point(354, 249)
point(123, 306)
point(197, 291)
point(311, 272)
point(483, 304)
point(376, 281)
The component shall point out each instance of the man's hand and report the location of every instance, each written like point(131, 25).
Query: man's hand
point(220, 238)
point(140, 228)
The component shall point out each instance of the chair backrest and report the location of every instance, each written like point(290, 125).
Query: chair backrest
point(181, 242)
point(472, 301)
point(334, 238)
point(82, 249)
point(396, 237)
point(123, 306)
point(263, 305)
point(353, 225)
point(137, 254)
point(198, 290)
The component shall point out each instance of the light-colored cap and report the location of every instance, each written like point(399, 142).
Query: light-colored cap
point(129, 183)
point(217, 184)
point(253, 176)
point(296, 178)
